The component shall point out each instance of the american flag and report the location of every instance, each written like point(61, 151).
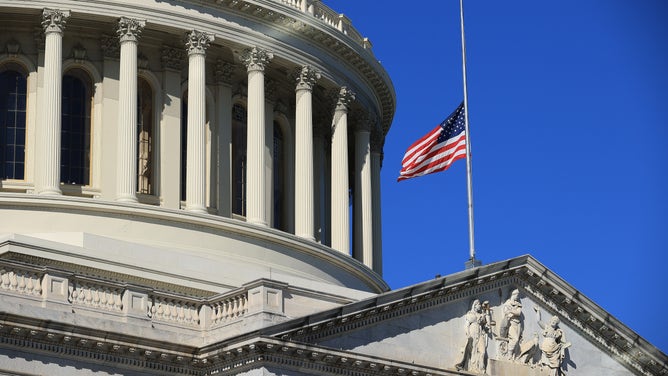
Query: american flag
point(437, 150)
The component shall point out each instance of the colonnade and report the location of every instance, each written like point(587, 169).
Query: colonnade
point(366, 211)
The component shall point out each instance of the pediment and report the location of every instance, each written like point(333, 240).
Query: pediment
point(434, 325)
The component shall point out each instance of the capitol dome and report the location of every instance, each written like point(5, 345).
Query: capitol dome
point(215, 142)
point(192, 187)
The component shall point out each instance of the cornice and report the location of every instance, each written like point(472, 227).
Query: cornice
point(95, 346)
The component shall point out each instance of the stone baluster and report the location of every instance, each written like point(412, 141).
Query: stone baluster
point(306, 77)
point(196, 43)
point(255, 61)
point(129, 31)
point(48, 137)
point(340, 200)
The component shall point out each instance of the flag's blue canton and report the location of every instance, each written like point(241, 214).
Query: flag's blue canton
point(453, 125)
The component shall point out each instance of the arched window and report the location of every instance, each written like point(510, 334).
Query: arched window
point(279, 178)
point(144, 137)
point(12, 122)
point(239, 159)
point(75, 131)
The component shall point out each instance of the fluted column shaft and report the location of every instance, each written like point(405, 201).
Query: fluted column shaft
point(304, 208)
point(129, 31)
point(48, 138)
point(363, 222)
point(340, 199)
point(255, 61)
point(196, 42)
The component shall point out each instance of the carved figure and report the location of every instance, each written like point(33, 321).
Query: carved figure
point(553, 345)
point(478, 326)
point(511, 325)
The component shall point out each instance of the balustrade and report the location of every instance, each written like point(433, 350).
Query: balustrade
point(95, 296)
point(22, 282)
point(173, 310)
point(229, 308)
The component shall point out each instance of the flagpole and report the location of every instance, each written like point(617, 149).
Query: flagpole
point(472, 262)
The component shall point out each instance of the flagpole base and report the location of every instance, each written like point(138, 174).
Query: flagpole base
point(472, 263)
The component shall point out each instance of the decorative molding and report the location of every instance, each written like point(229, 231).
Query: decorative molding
point(197, 42)
point(142, 61)
point(13, 47)
point(256, 59)
point(54, 20)
point(79, 53)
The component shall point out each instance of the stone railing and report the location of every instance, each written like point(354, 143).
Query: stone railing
point(93, 295)
point(174, 310)
point(229, 308)
point(20, 281)
point(327, 15)
point(87, 294)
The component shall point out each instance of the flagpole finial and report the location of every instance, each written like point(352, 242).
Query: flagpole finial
point(472, 263)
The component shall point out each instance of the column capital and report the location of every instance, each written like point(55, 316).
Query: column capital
point(255, 59)
point(197, 42)
point(305, 77)
point(222, 72)
point(129, 29)
point(343, 98)
point(54, 20)
point(172, 57)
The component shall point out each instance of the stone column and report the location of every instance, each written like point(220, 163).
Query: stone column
point(48, 137)
point(196, 43)
point(223, 75)
point(363, 222)
point(129, 30)
point(339, 182)
point(306, 77)
point(377, 140)
point(255, 60)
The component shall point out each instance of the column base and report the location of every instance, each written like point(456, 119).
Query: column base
point(256, 221)
point(196, 209)
point(308, 237)
point(50, 191)
point(127, 199)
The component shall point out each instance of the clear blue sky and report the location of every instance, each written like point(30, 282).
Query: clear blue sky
point(568, 104)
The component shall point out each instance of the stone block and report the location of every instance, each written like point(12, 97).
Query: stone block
point(55, 289)
point(135, 304)
point(265, 299)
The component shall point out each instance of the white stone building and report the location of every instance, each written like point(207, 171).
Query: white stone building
point(176, 192)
